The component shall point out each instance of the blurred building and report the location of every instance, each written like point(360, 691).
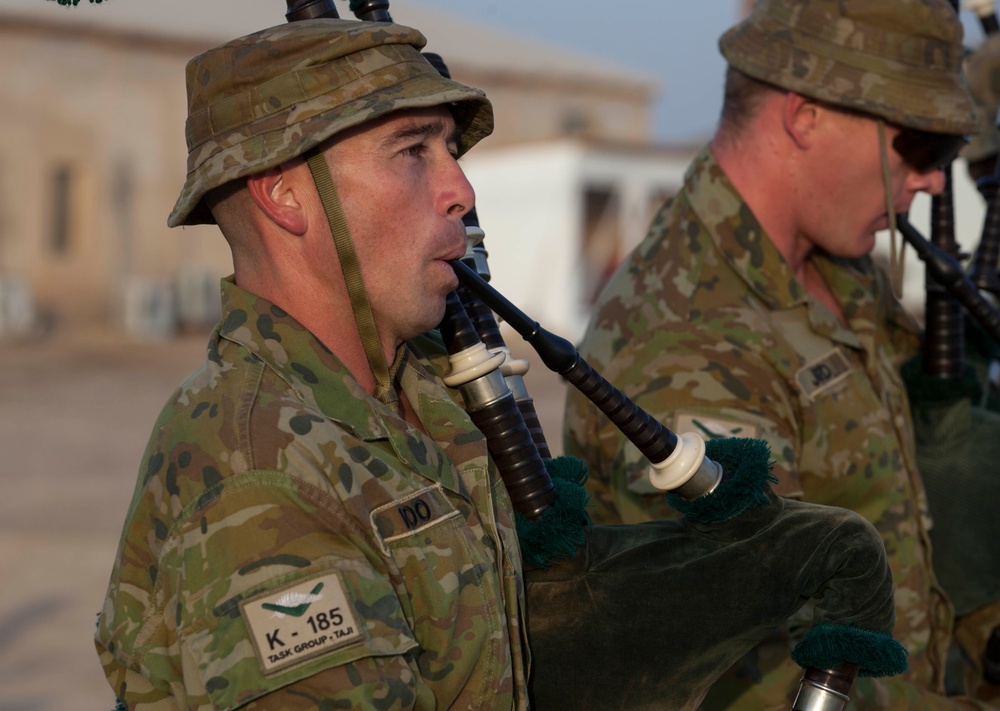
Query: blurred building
point(92, 157)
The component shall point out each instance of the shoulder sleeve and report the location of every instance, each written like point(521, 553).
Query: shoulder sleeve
point(265, 589)
point(672, 332)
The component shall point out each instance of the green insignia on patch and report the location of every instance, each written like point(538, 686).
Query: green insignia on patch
point(304, 600)
point(300, 621)
point(711, 427)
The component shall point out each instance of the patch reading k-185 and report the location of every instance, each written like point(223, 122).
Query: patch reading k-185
point(300, 621)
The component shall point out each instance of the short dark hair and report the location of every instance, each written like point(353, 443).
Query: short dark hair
point(741, 100)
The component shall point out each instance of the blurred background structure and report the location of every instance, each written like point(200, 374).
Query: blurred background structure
point(92, 145)
point(103, 309)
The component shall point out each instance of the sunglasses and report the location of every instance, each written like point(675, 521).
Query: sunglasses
point(926, 151)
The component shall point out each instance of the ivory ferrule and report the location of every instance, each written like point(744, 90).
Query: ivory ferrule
point(687, 471)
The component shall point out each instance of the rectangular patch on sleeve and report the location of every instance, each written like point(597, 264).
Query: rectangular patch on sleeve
point(411, 514)
point(823, 373)
point(300, 621)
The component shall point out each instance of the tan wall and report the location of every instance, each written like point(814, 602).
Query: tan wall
point(535, 108)
point(110, 107)
point(113, 114)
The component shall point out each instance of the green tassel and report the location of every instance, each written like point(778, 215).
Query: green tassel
point(747, 466)
point(562, 528)
point(826, 645)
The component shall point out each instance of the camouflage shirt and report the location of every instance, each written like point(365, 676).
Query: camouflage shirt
point(292, 543)
point(705, 326)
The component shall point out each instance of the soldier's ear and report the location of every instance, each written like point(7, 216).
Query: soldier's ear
point(800, 117)
point(277, 192)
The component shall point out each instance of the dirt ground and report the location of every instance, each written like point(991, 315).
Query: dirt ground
point(75, 414)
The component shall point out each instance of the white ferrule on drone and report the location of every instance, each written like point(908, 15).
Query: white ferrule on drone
point(474, 236)
point(514, 370)
point(687, 471)
point(477, 372)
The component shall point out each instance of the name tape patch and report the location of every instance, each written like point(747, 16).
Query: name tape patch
point(411, 514)
point(820, 375)
point(299, 622)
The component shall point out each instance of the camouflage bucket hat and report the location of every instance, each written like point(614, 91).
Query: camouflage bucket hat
point(897, 59)
point(266, 98)
point(983, 72)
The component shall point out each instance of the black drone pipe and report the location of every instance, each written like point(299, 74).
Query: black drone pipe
point(657, 443)
point(943, 346)
point(947, 271)
point(483, 318)
point(486, 324)
point(310, 10)
point(944, 327)
point(476, 372)
point(985, 261)
point(983, 268)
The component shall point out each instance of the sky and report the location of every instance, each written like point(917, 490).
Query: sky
point(673, 42)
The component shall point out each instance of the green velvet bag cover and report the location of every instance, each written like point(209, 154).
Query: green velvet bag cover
point(958, 455)
point(647, 616)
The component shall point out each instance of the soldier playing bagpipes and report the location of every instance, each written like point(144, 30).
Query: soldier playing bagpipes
point(753, 309)
point(317, 523)
point(952, 386)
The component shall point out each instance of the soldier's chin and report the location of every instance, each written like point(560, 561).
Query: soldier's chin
point(853, 248)
point(864, 247)
point(433, 319)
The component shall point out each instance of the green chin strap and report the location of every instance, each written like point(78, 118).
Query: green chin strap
point(384, 377)
point(896, 262)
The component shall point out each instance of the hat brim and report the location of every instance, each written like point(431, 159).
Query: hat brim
point(319, 119)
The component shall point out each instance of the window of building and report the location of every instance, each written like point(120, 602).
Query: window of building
point(602, 238)
point(575, 122)
point(61, 191)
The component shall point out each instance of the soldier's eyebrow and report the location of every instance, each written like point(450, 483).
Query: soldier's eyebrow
point(423, 130)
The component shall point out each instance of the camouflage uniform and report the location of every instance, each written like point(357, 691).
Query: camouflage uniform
point(292, 543)
point(706, 327)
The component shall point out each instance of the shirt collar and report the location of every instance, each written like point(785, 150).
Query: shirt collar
point(738, 235)
point(752, 255)
point(311, 370)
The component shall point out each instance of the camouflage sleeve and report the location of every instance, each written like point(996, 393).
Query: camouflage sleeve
point(698, 358)
point(690, 380)
point(263, 595)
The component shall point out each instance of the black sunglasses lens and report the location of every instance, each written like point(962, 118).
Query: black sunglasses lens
point(926, 151)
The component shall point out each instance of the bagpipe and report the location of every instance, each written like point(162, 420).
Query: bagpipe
point(649, 615)
point(956, 412)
